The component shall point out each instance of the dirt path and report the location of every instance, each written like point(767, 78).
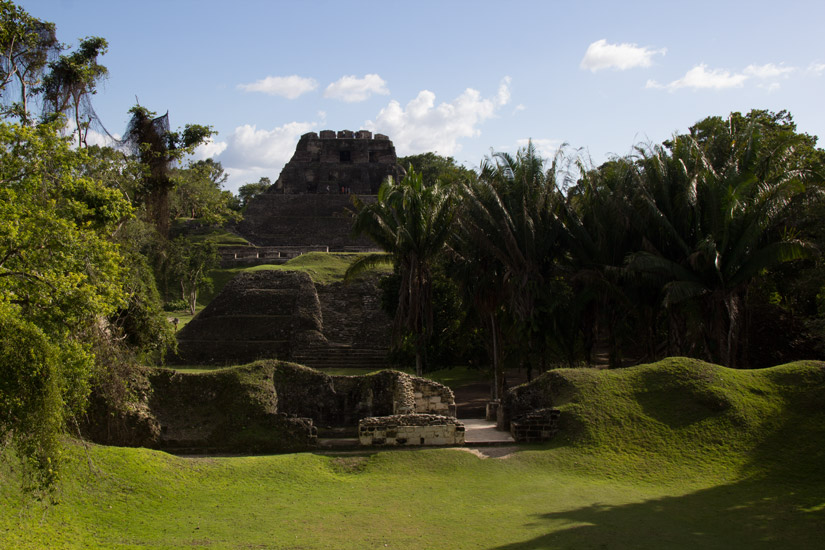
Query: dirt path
point(471, 399)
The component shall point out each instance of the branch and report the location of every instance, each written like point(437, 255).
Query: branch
point(28, 276)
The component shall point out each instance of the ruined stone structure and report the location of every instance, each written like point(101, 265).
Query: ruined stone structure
point(308, 204)
point(342, 163)
point(535, 426)
point(285, 315)
point(260, 314)
point(264, 406)
point(410, 429)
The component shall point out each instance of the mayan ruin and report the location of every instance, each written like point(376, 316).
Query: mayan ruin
point(306, 207)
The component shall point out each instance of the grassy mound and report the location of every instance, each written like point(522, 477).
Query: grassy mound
point(678, 454)
point(682, 411)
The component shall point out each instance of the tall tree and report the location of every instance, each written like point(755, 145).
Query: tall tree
point(72, 81)
point(600, 233)
point(60, 276)
point(198, 193)
point(714, 207)
point(249, 191)
point(150, 139)
point(435, 167)
point(26, 44)
point(189, 263)
point(511, 214)
point(410, 221)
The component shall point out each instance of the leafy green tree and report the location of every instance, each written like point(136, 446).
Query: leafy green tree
point(410, 221)
point(198, 194)
point(480, 280)
point(26, 43)
point(72, 81)
point(434, 167)
point(189, 263)
point(714, 223)
point(600, 233)
point(249, 191)
point(60, 277)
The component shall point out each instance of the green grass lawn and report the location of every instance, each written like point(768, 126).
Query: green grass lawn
point(323, 267)
point(220, 235)
point(679, 454)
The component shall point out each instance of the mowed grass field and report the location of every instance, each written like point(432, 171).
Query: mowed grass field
point(678, 454)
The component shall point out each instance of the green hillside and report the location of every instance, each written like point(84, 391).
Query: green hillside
point(678, 454)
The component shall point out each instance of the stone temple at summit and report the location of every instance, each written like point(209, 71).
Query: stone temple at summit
point(306, 208)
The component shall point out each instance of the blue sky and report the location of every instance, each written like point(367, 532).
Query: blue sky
point(456, 77)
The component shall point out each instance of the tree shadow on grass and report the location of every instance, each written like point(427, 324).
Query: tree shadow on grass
point(747, 514)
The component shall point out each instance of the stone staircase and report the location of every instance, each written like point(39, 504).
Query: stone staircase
point(341, 356)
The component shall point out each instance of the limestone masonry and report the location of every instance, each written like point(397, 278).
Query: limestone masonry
point(307, 205)
point(411, 429)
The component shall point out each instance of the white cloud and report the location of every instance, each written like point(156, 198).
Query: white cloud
point(352, 88)
point(289, 87)
point(209, 149)
point(422, 125)
point(815, 69)
point(700, 78)
point(768, 70)
point(249, 152)
point(240, 176)
point(503, 97)
point(601, 55)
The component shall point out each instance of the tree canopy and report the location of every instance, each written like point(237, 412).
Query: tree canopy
point(60, 275)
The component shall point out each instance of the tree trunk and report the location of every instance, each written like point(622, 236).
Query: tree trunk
point(497, 381)
point(158, 203)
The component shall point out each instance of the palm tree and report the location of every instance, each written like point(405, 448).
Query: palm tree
point(509, 216)
point(600, 233)
point(410, 221)
point(713, 223)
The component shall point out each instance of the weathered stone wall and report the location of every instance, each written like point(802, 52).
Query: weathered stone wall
point(231, 410)
point(261, 314)
point(344, 400)
point(284, 315)
point(432, 397)
point(324, 164)
point(264, 406)
point(545, 392)
point(534, 426)
point(244, 255)
point(352, 313)
point(303, 221)
point(411, 429)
